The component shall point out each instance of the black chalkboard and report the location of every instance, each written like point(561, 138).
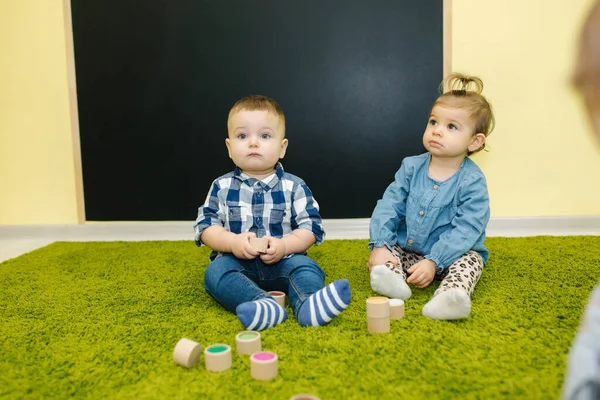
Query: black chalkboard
point(156, 79)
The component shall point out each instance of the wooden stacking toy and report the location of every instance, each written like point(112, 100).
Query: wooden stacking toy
point(396, 308)
point(248, 342)
point(263, 365)
point(279, 297)
point(378, 314)
point(259, 244)
point(187, 353)
point(217, 357)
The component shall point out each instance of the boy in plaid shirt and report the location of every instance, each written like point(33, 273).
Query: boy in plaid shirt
point(259, 199)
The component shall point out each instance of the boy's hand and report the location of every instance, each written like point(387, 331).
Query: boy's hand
point(241, 248)
point(422, 273)
point(275, 252)
point(379, 256)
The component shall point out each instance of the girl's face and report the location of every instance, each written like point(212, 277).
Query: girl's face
point(451, 133)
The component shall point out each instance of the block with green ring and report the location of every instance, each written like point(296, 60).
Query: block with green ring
point(217, 357)
point(248, 342)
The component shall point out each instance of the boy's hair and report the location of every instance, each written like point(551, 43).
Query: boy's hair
point(257, 102)
point(586, 76)
point(463, 91)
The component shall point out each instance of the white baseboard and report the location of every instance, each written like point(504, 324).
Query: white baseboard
point(335, 228)
point(545, 226)
point(498, 227)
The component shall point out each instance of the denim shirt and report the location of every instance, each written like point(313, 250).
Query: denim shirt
point(439, 220)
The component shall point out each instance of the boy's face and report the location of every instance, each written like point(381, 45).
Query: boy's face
point(450, 132)
point(256, 142)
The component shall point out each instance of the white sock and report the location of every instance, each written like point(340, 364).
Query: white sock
point(450, 304)
point(389, 283)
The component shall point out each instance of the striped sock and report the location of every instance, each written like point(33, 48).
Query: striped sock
point(261, 314)
point(322, 306)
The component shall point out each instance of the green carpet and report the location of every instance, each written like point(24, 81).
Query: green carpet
point(100, 320)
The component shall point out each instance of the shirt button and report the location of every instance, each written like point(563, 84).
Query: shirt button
point(435, 186)
point(421, 213)
point(410, 241)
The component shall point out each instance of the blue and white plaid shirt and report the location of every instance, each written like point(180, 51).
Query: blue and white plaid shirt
point(274, 206)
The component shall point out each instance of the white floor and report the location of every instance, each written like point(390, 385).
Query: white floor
point(16, 240)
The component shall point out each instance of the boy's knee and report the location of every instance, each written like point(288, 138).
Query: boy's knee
point(215, 271)
point(308, 263)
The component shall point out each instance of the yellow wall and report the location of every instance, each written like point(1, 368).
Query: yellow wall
point(37, 175)
point(542, 159)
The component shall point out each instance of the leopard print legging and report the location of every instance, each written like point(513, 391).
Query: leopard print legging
point(463, 273)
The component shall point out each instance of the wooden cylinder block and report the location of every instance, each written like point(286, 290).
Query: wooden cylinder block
point(396, 308)
point(217, 357)
point(187, 353)
point(263, 365)
point(378, 307)
point(279, 297)
point(378, 325)
point(248, 342)
point(259, 244)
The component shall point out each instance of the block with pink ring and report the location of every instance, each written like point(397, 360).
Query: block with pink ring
point(264, 365)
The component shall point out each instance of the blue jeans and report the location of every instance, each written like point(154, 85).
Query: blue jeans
point(232, 281)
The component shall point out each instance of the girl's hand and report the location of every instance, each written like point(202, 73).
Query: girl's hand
point(422, 273)
point(241, 248)
point(275, 252)
point(379, 256)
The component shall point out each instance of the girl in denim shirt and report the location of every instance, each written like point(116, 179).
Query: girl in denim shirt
point(431, 220)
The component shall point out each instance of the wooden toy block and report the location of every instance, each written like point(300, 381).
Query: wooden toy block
point(248, 342)
point(396, 308)
point(217, 357)
point(187, 353)
point(304, 396)
point(378, 314)
point(259, 244)
point(279, 297)
point(378, 325)
point(378, 307)
point(263, 365)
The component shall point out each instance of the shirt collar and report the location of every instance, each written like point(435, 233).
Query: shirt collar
point(271, 180)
